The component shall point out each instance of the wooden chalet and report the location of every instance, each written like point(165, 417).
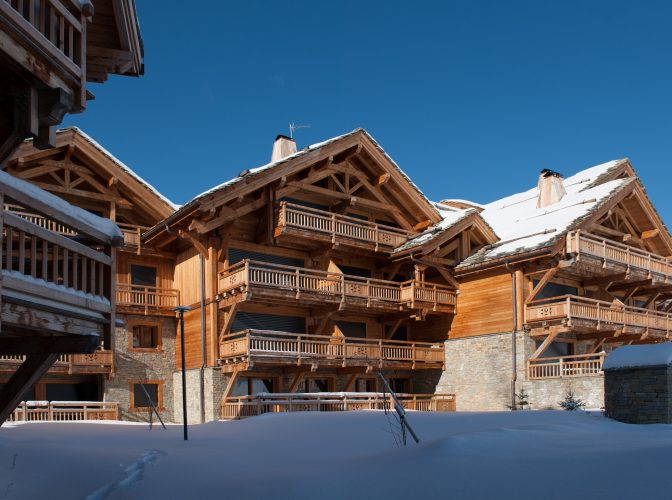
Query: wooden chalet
point(581, 265)
point(315, 273)
point(80, 171)
point(49, 50)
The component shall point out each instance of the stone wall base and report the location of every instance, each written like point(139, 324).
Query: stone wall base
point(479, 372)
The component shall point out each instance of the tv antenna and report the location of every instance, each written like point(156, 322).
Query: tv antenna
point(293, 127)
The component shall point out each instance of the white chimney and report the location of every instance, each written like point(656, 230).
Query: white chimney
point(283, 147)
point(550, 189)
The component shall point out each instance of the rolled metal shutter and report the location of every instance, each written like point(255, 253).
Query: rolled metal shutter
point(275, 322)
point(236, 255)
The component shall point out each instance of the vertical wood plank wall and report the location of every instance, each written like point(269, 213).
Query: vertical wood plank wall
point(484, 305)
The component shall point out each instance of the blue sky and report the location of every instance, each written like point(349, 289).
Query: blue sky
point(471, 98)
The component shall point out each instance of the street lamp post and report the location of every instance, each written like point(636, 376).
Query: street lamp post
point(181, 310)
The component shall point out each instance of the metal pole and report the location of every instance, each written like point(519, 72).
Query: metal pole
point(181, 310)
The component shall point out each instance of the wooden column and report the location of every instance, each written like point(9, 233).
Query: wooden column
point(211, 291)
point(30, 371)
point(520, 298)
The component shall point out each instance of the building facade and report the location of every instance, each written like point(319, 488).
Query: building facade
point(312, 274)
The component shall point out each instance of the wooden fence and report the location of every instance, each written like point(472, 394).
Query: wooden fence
point(255, 345)
point(248, 406)
point(100, 361)
point(147, 297)
point(64, 411)
point(334, 286)
point(340, 227)
point(579, 365)
point(601, 313)
point(581, 243)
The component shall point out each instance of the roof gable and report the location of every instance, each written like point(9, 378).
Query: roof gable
point(523, 228)
point(82, 171)
point(360, 172)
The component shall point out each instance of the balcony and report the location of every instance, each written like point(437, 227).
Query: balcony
point(252, 280)
point(100, 361)
point(584, 315)
point(581, 365)
point(249, 406)
point(146, 299)
point(313, 225)
point(596, 255)
point(260, 347)
point(53, 35)
point(132, 234)
point(64, 411)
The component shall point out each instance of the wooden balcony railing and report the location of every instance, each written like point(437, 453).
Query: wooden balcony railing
point(54, 28)
point(64, 411)
point(100, 361)
point(50, 265)
point(149, 298)
point(339, 228)
point(609, 251)
point(262, 346)
point(40, 220)
point(248, 406)
point(325, 286)
point(598, 313)
point(580, 365)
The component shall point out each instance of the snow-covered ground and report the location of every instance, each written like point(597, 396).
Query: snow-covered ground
point(352, 455)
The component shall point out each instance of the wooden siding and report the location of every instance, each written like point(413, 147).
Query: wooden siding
point(187, 271)
point(484, 305)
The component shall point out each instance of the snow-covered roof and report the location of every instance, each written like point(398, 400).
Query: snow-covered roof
point(522, 227)
point(313, 147)
point(25, 192)
point(449, 217)
point(639, 356)
point(121, 165)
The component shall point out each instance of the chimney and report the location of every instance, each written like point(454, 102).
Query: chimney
point(550, 189)
point(283, 147)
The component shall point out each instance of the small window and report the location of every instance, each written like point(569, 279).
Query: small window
point(400, 385)
point(351, 329)
point(141, 398)
point(145, 337)
point(143, 275)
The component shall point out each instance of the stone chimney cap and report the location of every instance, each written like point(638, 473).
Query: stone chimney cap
point(547, 172)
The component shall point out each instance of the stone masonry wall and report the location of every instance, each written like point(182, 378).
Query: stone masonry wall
point(639, 396)
point(142, 366)
point(478, 372)
point(214, 384)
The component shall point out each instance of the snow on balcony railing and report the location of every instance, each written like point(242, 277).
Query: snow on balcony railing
point(64, 411)
point(248, 406)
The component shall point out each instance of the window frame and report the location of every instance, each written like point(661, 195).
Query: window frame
point(131, 398)
point(159, 336)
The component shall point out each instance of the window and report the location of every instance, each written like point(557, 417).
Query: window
point(145, 337)
point(351, 329)
point(143, 275)
point(365, 385)
point(140, 399)
point(400, 385)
